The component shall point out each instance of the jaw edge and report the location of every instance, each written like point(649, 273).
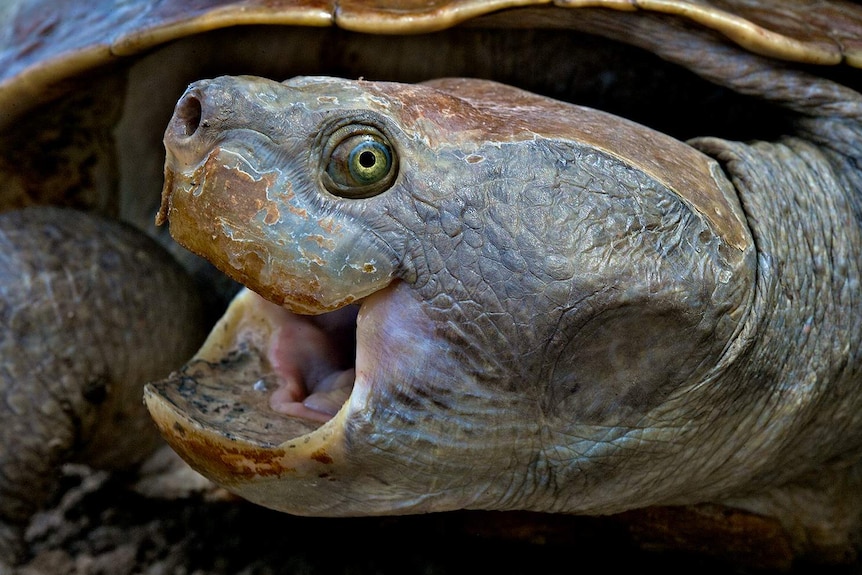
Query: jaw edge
point(215, 413)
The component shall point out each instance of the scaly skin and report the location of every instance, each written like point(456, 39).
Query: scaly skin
point(90, 310)
point(563, 312)
point(549, 307)
point(799, 354)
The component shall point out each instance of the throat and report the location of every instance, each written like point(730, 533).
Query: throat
point(313, 359)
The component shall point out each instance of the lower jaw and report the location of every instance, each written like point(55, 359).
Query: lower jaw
point(219, 414)
point(237, 387)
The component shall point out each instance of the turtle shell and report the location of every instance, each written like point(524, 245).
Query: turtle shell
point(65, 55)
point(46, 43)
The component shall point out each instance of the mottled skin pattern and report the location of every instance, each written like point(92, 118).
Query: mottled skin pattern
point(562, 331)
point(575, 304)
point(90, 310)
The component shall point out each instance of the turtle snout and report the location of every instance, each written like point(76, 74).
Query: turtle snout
point(187, 115)
point(188, 140)
point(194, 126)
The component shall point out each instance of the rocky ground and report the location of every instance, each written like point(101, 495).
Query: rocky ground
point(99, 524)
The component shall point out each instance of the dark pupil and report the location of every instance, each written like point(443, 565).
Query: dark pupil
point(366, 159)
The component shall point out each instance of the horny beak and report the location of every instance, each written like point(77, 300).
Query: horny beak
point(215, 412)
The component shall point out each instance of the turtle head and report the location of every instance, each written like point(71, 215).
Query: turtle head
point(530, 284)
point(300, 191)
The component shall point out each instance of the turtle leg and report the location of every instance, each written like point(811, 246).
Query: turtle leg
point(90, 310)
point(36, 437)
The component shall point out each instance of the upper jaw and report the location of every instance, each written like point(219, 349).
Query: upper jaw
point(261, 225)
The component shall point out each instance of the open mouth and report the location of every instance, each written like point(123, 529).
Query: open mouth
point(265, 374)
point(264, 398)
point(313, 360)
point(273, 395)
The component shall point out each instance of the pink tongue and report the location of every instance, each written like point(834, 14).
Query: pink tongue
point(313, 383)
point(332, 392)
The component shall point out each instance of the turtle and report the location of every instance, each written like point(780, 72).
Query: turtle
point(550, 315)
point(85, 95)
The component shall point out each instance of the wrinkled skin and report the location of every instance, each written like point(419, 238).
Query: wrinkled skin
point(549, 319)
point(90, 310)
point(497, 289)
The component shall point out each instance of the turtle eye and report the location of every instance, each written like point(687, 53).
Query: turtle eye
point(361, 162)
point(369, 160)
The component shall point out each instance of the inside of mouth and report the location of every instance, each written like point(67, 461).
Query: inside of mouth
point(266, 375)
point(313, 358)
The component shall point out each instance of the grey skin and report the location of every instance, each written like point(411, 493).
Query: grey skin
point(90, 310)
point(548, 324)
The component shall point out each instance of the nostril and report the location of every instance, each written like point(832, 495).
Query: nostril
point(188, 115)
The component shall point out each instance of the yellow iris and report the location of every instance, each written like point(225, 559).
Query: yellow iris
point(369, 160)
point(360, 162)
